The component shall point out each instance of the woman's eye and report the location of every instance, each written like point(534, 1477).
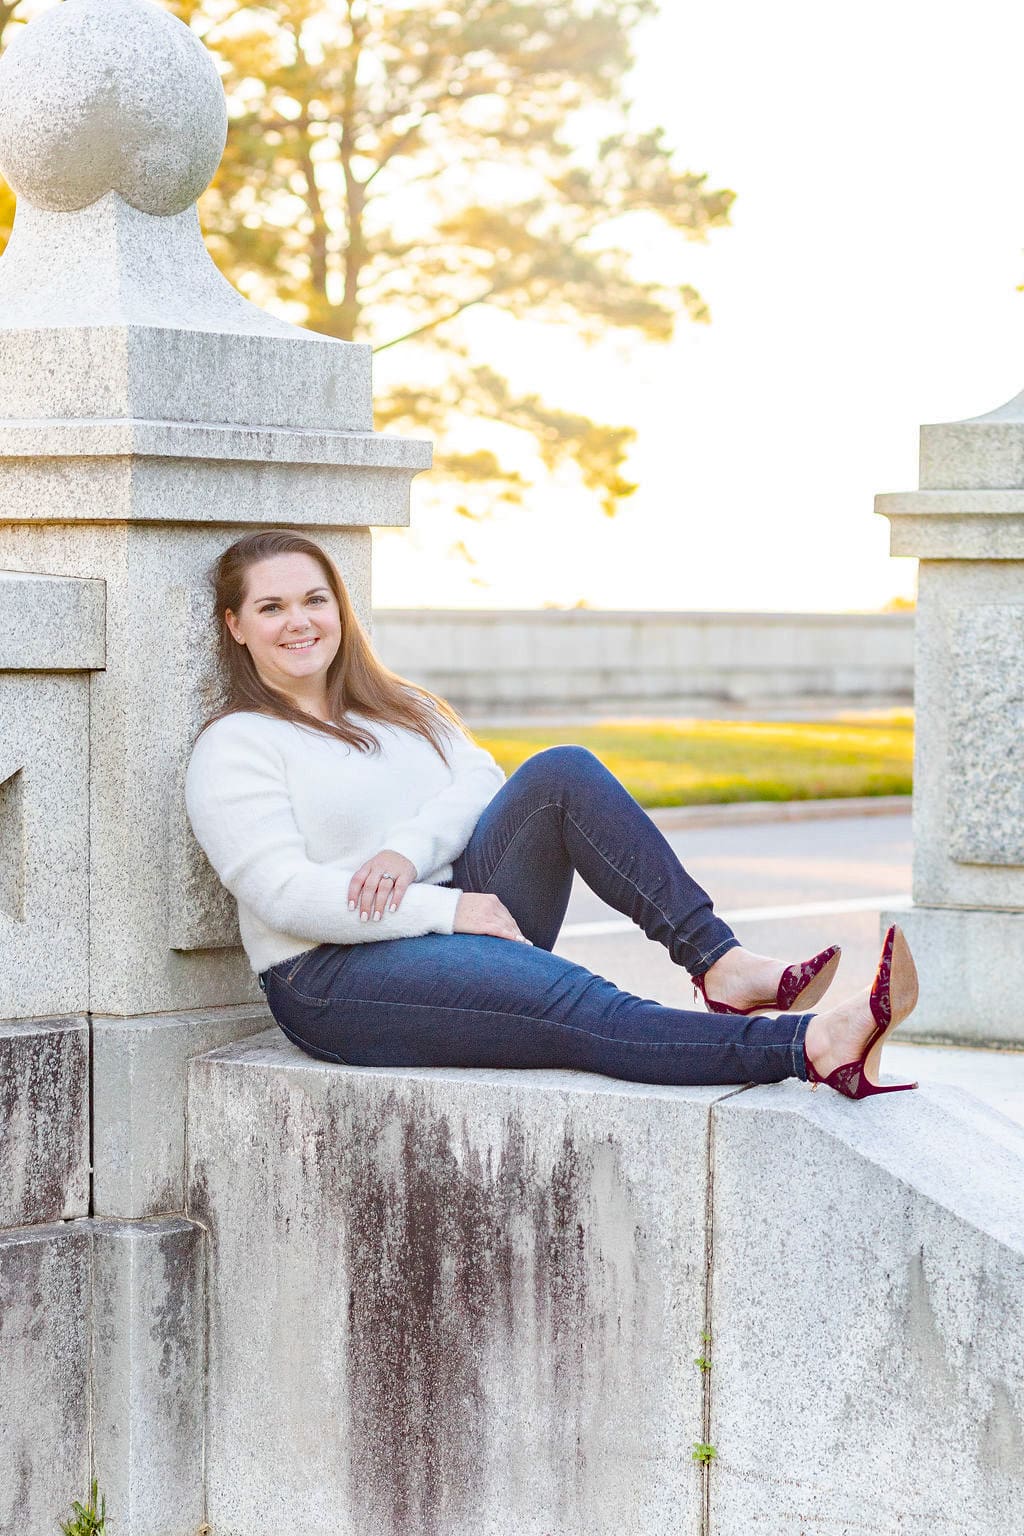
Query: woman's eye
point(317, 597)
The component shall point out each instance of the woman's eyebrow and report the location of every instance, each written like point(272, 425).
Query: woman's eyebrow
point(281, 599)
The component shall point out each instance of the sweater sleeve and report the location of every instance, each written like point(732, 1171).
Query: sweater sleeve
point(442, 825)
point(237, 799)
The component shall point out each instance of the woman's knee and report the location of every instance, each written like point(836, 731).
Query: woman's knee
point(568, 761)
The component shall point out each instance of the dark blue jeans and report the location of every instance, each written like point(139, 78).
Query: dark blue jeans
point(474, 1000)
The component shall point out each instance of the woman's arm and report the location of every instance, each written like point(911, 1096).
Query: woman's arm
point(238, 804)
point(440, 828)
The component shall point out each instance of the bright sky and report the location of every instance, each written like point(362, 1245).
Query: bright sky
point(867, 285)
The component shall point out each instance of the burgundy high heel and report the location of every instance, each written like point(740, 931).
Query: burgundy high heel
point(893, 997)
point(800, 985)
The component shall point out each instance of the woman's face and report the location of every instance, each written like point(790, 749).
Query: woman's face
point(291, 622)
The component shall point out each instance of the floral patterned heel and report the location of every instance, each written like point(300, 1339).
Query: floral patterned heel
point(800, 987)
point(893, 997)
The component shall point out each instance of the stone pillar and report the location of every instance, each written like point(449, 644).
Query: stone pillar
point(966, 526)
point(148, 415)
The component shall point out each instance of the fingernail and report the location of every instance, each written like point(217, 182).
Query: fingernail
point(394, 906)
point(363, 917)
point(351, 906)
point(376, 917)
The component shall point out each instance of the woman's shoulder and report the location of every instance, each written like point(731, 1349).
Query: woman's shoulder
point(249, 727)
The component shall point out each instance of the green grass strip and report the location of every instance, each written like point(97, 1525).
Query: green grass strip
point(714, 762)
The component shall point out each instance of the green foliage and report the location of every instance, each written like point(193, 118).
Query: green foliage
point(87, 1522)
point(395, 166)
point(703, 1363)
point(703, 1453)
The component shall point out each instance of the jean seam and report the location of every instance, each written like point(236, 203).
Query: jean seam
point(708, 960)
point(557, 805)
point(531, 1018)
point(547, 806)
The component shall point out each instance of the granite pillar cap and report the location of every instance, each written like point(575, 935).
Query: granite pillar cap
point(100, 96)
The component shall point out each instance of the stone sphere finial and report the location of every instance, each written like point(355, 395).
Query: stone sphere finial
point(101, 96)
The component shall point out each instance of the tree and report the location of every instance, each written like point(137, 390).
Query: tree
point(396, 166)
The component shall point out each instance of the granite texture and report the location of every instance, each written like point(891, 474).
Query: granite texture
point(968, 769)
point(198, 439)
point(44, 840)
point(148, 1363)
point(451, 1302)
point(51, 623)
point(139, 1075)
point(955, 525)
point(101, 96)
point(45, 1306)
point(971, 969)
point(44, 1120)
point(82, 391)
point(113, 269)
point(983, 451)
point(203, 493)
point(986, 760)
point(867, 1334)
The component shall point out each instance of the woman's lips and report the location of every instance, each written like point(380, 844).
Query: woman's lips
point(300, 645)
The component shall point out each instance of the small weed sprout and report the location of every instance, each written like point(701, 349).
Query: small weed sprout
point(87, 1522)
point(703, 1453)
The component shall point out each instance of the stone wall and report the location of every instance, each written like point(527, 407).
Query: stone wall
point(580, 659)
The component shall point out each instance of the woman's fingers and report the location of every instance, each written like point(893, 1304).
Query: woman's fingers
point(377, 889)
point(398, 890)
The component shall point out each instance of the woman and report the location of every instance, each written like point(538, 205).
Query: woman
point(343, 806)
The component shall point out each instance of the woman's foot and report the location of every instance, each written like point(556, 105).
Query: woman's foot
point(741, 981)
point(838, 1040)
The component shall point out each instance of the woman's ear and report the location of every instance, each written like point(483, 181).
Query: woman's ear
point(232, 624)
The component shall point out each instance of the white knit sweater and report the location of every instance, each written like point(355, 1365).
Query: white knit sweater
point(287, 815)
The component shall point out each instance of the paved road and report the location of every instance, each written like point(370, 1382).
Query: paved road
point(788, 888)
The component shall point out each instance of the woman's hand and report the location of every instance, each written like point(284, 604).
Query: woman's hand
point(476, 913)
point(371, 892)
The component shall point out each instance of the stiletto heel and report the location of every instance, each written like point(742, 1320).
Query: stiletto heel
point(893, 997)
point(800, 987)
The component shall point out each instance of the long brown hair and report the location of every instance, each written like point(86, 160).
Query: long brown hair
point(356, 679)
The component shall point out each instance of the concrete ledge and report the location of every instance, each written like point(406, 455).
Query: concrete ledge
point(44, 1120)
point(465, 1302)
point(868, 1339)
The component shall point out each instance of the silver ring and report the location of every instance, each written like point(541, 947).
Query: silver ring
point(387, 877)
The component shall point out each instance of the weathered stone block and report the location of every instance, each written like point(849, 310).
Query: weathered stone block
point(44, 1120)
point(45, 1303)
point(44, 843)
point(868, 1339)
point(139, 1080)
point(986, 761)
point(968, 764)
point(971, 970)
point(459, 1303)
point(148, 1350)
